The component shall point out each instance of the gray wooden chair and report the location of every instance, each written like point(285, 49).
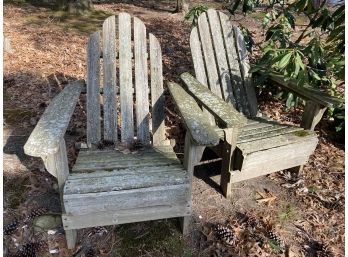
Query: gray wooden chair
point(109, 186)
point(248, 144)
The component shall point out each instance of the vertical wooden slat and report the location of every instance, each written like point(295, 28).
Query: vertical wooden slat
point(109, 60)
point(198, 63)
point(93, 83)
point(233, 61)
point(209, 57)
point(141, 81)
point(126, 91)
point(220, 53)
point(157, 98)
point(244, 63)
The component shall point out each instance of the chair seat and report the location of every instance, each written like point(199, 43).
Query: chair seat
point(111, 182)
point(263, 133)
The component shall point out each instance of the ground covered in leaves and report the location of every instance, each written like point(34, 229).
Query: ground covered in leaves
point(276, 215)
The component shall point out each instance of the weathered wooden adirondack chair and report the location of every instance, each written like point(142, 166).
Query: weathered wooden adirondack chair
point(107, 187)
point(250, 146)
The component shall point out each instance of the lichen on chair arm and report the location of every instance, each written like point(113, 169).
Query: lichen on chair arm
point(225, 113)
point(45, 138)
point(202, 132)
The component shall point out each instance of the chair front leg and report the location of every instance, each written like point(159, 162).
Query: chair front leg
point(192, 155)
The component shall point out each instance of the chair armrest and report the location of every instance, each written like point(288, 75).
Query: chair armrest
point(45, 138)
point(202, 132)
point(225, 113)
point(306, 92)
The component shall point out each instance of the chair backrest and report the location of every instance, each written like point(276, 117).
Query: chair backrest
point(221, 61)
point(131, 80)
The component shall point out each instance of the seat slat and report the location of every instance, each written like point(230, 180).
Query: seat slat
point(125, 64)
point(126, 199)
point(246, 76)
point(222, 65)
point(109, 91)
point(93, 83)
point(133, 170)
point(232, 57)
point(132, 179)
point(157, 98)
point(268, 134)
point(141, 82)
point(208, 53)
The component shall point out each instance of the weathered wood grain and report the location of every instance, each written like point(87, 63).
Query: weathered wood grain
point(157, 97)
point(268, 134)
point(196, 122)
point(222, 65)
point(126, 94)
point(124, 216)
point(312, 115)
point(275, 141)
point(198, 63)
point(274, 159)
point(233, 61)
point(141, 82)
point(45, 138)
point(125, 181)
point(245, 67)
point(109, 90)
point(172, 195)
point(221, 110)
point(208, 53)
point(93, 83)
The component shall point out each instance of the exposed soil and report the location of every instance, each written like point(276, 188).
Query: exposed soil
point(48, 50)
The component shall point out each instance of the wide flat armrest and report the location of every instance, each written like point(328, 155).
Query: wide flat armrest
point(45, 138)
point(225, 113)
point(306, 92)
point(198, 124)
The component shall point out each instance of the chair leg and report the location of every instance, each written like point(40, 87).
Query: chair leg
point(229, 147)
point(297, 170)
point(185, 224)
point(71, 236)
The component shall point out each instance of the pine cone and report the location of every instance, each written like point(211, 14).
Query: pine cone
point(276, 240)
point(30, 250)
point(225, 234)
point(33, 214)
point(10, 228)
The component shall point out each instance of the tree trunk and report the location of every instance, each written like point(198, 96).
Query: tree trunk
point(179, 5)
point(76, 6)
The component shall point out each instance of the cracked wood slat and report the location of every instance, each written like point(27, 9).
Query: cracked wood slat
point(123, 164)
point(141, 82)
point(124, 216)
point(93, 83)
point(138, 170)
point(125, 62)
point(276, 141)
point(268, 134)
point(222, 65)
point(109, 90)
point(245, 67)
point(172, 195)
point(208, 53)
point(198, 124)
point(233, 61)
point(125, 180)
point(157, 97)
point(198, 63)
point(45, 138)
point(221, 110)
